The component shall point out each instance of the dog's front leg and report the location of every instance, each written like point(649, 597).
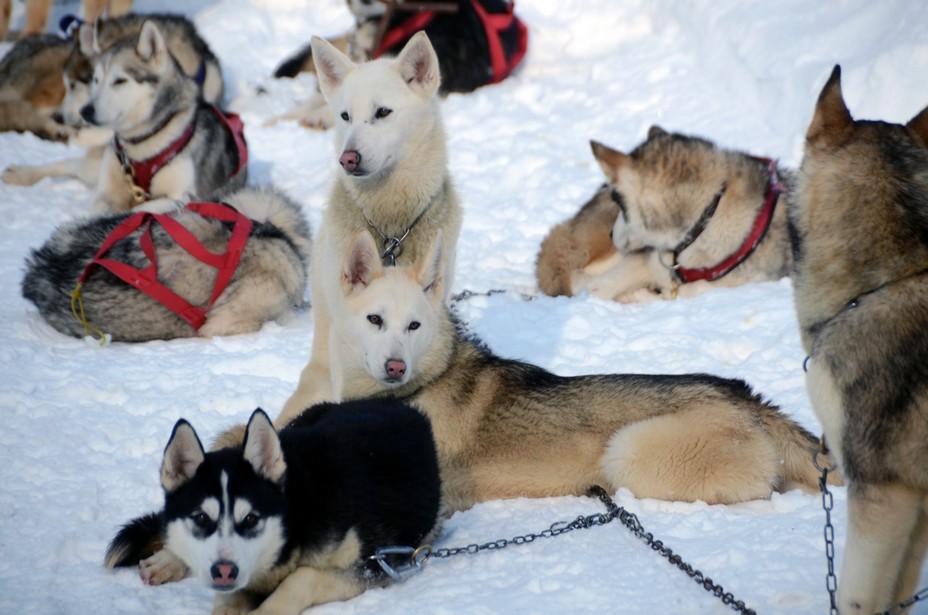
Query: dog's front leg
point(112, 192)
point(235, 603)
point(632, 273)
point(881, 522)
point(308, 586)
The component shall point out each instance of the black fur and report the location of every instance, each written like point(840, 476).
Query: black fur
point(370, 465)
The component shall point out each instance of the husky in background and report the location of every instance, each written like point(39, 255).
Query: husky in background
point(859, 229)
point(155, 110)
point(690, 216)
point(269, 282)
point(394, 181)
point(192, 53)
point(31, 88)
point(37, 12)
point(291, 520)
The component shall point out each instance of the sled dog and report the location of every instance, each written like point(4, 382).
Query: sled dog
point(394, 182)
point(269, 281)
point(859, 231)
point(690, 216)
point(168, 142)
point(507, 429)
point(477, 42)
point(290, 520)
point(31, 88)
point(192, 53)
point(37, 12)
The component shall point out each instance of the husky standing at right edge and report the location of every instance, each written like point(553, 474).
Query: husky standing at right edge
point(860, 247)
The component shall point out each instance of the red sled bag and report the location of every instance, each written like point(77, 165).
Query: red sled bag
point(480, 43)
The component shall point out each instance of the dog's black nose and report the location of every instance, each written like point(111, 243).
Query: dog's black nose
point(57, 117)
point(224, 573)
point(88, 113)
point(350, 160)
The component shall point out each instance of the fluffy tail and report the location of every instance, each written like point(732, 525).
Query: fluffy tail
point(137, 540)
point(797, 448)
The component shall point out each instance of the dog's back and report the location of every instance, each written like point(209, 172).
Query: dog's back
point(31, 87)
point(859, 232)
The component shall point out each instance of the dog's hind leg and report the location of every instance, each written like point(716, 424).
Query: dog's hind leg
point(914, 557)
point(717, 455)
point(882, 519)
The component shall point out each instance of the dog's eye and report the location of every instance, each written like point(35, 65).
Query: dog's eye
point(201, 520)
point(249, 522)
point(414, 325)
point(382, 112)
point(345, 116)
point(119, 81)
point(375, 320)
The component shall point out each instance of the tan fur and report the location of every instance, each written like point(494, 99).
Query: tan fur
point(417, 182)
point(506, 429)
point(665, 185)
point(31, 87)
point(37, 12)
point(861, 293)
point(576, 244)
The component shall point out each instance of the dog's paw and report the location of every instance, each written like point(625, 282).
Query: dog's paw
point(162, 567)
point(19, 175)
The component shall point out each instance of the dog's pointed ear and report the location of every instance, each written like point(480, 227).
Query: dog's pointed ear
point(362, 265)
point(610, 160)
point(332, 66)
point(151, 46)
point(417, 64)
point(182, 456)
point(87, 40)
point(656, 131)
point(832, 123)
point(918, 127)
point(262, 447)
point(430, 270)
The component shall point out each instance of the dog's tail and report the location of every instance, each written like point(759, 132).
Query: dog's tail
point(799, 452)
point(137, 540)
point(271, 206)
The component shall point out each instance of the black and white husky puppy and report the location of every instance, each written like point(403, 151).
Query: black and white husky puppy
point(290, 520)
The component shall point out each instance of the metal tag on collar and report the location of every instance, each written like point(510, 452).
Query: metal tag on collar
point(411, 560)
point(392, 248)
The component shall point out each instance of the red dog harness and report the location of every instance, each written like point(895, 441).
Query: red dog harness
point(493, 24)
point(141, 172)
point(750, 243)
point(146, 280)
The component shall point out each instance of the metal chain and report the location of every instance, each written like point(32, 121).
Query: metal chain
point(831, 581)
point(418, 557)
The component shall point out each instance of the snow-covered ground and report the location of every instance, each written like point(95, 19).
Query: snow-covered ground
point(83, 427)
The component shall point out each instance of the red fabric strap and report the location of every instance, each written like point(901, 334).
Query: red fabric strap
point(143, 171)
point(404, 31)
point(494, 23)
point(146, 280)
point(750, 243)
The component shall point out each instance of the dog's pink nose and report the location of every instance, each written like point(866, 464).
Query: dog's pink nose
point(395, 368)
point(350, 160)
point(224, 573)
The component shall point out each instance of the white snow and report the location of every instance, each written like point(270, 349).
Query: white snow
point(83, 427)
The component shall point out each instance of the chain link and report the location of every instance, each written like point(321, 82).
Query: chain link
point(831, 581)
point(630, 521)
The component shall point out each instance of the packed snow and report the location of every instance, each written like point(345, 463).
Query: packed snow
point(84, 426)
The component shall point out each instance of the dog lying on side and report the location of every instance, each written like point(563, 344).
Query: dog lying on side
point(390, 143)
point(290, 520)
point(689, 216)
point(168, 142)
point(859, 230)
point(73, 62)
point(37, 12)
point(269, 281)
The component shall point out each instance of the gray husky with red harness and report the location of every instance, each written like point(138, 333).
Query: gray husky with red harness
point(197, 269)
point(168, 143)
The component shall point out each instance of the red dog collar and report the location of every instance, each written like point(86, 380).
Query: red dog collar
point(750, 243)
